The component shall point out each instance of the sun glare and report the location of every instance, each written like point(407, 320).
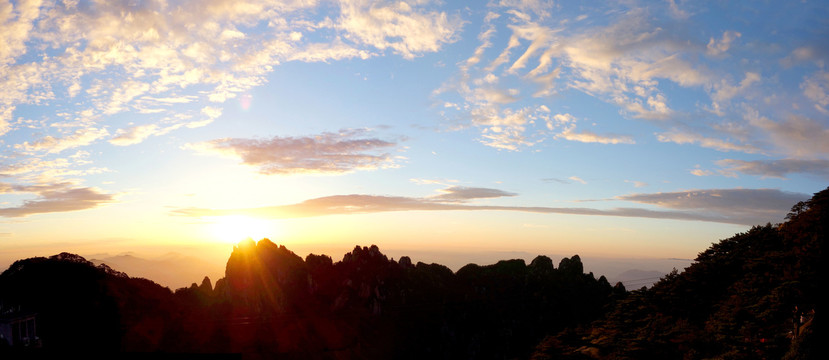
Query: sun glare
point(234, 228)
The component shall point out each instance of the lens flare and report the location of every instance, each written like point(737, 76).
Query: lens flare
point(245, 101)
point(234, 228)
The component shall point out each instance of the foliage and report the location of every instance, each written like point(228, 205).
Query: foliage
point(752, 296)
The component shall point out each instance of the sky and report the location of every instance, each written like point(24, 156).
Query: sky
point(645, 129)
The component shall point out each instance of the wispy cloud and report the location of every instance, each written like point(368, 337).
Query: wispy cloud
point(326, 153)
point(676, 12)
point(156, 60)
point(406, 29)
point(53, 145)
point(725, 91)
point(638, 64)
point(621, 63)
point(133, 135)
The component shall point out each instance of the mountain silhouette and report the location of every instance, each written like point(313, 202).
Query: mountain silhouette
point(755, 295)
point(273, 303)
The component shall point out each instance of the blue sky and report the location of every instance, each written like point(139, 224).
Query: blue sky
point(647, 128)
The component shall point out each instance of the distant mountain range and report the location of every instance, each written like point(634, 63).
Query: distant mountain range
point(636, 278)
point(173, 269)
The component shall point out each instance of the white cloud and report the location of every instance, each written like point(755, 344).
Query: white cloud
point(133, 135)
point(564, 118)
point(717, 47)
point(486, 42)
point(5, 119)
point(56, 170)
point(589, 137)
point(724, 91)
point(816, 54)
point(816, 88)
point(323, 52)
point(656, 108)
point(568, 124)
point(54, 145)
point(16, 23)
point(123, 95)
point(578, 180)
point(407, 30)
point(211, 112)
point(493, 96)
point(502, 129)
point(503, 57)
point(701, 172)
point(540, 38)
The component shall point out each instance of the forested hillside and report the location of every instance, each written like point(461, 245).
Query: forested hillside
point(756, 295)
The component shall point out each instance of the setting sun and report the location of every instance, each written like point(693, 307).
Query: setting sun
point(234, 228)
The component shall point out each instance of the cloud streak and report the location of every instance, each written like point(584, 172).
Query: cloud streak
point(732, 206)
point(754, 205)
point(462, 194)
point(776, 168)
point(680, 137)
point(590, 137)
